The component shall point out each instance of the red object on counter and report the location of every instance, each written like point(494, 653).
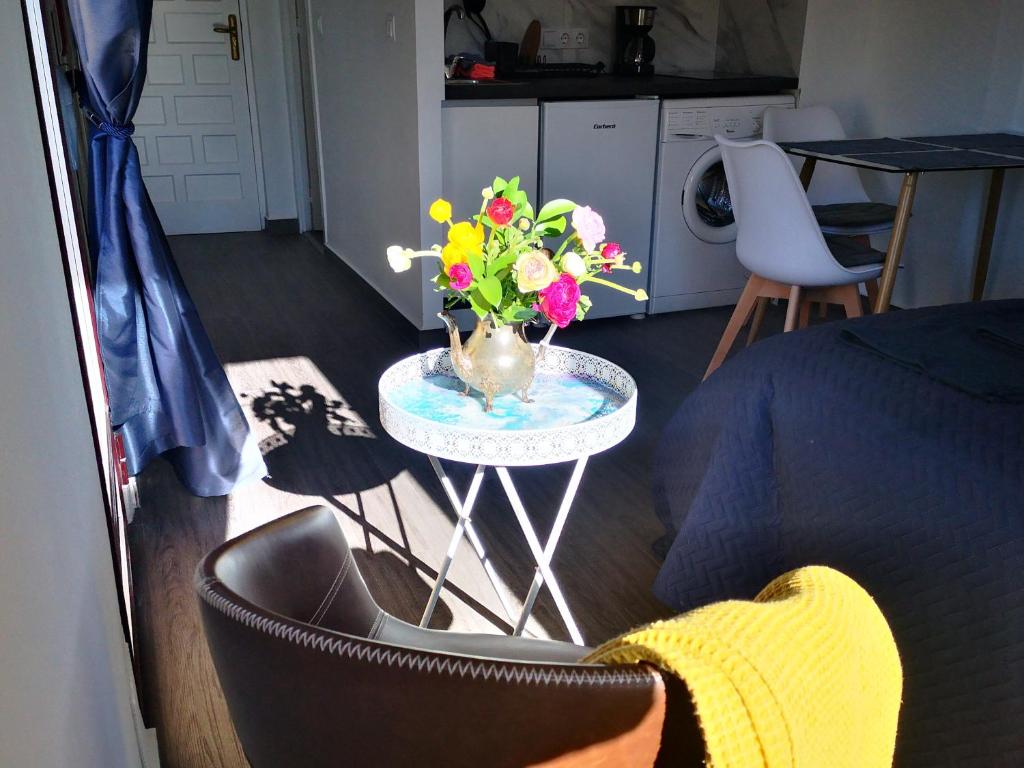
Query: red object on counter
point(481, 72)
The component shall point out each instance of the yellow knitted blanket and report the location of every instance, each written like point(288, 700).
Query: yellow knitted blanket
point(807, 675)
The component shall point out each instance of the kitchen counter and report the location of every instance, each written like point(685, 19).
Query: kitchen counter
point(620, 87)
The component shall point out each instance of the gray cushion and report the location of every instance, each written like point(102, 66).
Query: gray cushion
point(851, 251)
point(854, 214)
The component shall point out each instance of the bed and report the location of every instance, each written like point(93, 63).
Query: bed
point(819, 447)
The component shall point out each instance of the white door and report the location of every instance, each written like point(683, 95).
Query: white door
point(193, 126)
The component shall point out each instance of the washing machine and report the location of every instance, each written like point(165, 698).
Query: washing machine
point(693, 259)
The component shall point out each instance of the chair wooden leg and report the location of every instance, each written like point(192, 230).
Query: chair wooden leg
point(805, 313)
point(793, 308)
point(755, 323)
point(851, 300)
point(739, 316)
point(872, 286)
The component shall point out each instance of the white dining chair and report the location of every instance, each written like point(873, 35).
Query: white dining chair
point(780, 243)
point(838, 198)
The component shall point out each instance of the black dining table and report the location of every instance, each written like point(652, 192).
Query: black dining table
point(993, 152)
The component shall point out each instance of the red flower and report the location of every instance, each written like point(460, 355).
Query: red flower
point(460, 276)
point(558, 301)
point(501, 211)
point(610, 251)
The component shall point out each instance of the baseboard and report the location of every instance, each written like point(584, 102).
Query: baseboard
point(281, 226)
point(701, 300)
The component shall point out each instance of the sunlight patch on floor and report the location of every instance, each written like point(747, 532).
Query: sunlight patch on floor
point(320, 450)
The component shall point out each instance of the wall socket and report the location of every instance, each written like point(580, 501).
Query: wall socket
point(560, 38)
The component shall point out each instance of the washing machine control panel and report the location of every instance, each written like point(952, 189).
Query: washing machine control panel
point(738, 121)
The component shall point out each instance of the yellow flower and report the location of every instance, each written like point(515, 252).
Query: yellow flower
point(440, 210)
point(534, 272)
point(452, 254)
point(466, 237)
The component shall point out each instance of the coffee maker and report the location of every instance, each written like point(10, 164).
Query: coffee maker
point(634, 48)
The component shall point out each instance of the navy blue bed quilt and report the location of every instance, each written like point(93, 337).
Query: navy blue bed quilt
point(816, 448)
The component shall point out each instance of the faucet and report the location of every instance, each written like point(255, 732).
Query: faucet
point(458, 10)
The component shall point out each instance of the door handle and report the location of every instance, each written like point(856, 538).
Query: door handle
point(230, 29)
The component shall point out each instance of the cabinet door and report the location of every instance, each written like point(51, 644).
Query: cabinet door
point(603, 154)
point(484, 140)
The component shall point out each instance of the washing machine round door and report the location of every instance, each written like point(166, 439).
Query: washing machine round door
point(707, 209)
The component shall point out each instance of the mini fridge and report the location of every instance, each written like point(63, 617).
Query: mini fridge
point(603, 154)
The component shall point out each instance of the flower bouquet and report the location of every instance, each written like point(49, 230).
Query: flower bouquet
point(498, 265)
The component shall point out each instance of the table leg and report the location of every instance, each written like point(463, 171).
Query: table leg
point(464, 511)
point(543, 555)
point(807, 171)
point(474, 539)
point(988, 233)
point(899, 236)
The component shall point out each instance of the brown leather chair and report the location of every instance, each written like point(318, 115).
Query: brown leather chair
point(316, 674)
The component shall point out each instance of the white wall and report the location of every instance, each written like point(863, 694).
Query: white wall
point(379, 121)
point(905, 68)
point(63, 677)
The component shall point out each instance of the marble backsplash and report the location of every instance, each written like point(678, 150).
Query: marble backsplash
point(760, 36)
point(744, 36)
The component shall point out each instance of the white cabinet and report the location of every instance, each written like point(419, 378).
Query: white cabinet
point(484, 139)
point(603, 154)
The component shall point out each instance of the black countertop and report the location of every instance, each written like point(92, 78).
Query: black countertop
point(619, 87)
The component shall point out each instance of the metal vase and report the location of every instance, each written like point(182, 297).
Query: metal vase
point(494, 360)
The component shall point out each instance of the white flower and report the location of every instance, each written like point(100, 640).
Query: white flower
point(398, 258)
point(573, 264)
point(524, 224)
point(487, 193)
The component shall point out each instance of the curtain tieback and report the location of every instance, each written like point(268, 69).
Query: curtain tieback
point(109, 129)
point(117, 131)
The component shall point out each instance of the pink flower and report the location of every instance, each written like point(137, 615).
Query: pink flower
point(501, 211)
point(460, 276)
point(610, 251)
point(558, 301)
point(588, 225)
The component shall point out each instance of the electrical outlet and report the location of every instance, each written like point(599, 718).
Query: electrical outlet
point(556, 38)
point(580, 38)
point(549, 38)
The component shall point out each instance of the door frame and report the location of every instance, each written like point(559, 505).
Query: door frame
point(254, 120)
point(304, 121)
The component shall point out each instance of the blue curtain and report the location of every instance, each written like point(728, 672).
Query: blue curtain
point(168, 391)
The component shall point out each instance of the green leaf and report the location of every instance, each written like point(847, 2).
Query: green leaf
point(478, 304)
point(504, 260)
point(527, 210)
point(490, 289)
point(476, 264)
point(552, 228)
point(498, 185)
point(555, 208)
point(522, 314)
point(511, 188)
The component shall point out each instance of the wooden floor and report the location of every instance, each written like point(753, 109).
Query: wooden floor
point(304, 342)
